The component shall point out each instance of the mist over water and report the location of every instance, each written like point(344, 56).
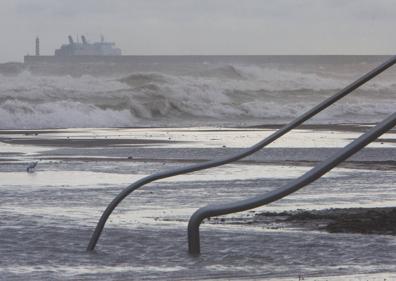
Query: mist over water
point(220, 93)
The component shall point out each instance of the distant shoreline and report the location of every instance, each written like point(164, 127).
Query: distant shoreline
point(197, 56)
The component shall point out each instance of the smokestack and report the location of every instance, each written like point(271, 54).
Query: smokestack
point(71, 42)
point(84, 40)
point(37, 46)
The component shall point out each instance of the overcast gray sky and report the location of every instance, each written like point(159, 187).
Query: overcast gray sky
point(202, 26)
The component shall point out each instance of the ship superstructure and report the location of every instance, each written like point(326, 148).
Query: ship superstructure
point(84, 48)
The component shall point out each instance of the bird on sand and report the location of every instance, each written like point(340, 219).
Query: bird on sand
point(31, 166)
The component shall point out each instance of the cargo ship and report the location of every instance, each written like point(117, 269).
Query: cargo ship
point(84, 48)
point(80, 53)
point(77, 51)
point(78, 57)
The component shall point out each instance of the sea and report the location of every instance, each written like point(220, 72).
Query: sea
point(94, 128)
point(191, 91)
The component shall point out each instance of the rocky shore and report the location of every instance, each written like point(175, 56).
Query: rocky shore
point(349, 220)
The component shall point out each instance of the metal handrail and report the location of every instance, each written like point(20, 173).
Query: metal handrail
point(310, 176)
point(225, 160)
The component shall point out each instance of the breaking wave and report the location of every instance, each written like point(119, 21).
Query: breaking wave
point(217, 95)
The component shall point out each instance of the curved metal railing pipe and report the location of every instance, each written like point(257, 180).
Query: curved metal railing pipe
point(307, 178)
point(218, 162)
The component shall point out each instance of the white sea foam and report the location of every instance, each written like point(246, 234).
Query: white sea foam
point(228, 94)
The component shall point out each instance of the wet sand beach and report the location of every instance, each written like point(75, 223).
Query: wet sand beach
point(49, 215)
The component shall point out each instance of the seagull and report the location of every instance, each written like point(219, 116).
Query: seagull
point(31, 166)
